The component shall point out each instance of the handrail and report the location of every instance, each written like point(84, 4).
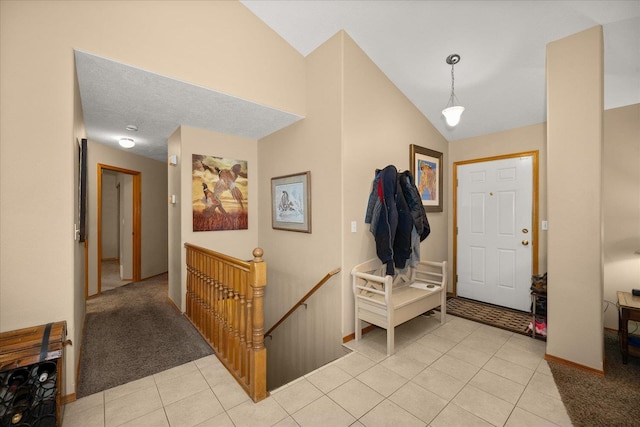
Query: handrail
point(302, 300)
point(224, 301)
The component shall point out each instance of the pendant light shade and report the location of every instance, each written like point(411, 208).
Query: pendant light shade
point(453, 111)
point(453, 114)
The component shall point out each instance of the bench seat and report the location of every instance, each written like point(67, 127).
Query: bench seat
point(388, 301)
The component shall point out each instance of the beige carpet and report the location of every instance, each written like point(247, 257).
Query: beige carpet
point(132, 332)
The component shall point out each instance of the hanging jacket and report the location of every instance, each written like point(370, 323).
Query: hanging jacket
point(413, 199)
point(387, 220)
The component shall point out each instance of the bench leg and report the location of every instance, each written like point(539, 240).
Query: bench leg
point(358, 327)
point(390, 340)
point(443, 306)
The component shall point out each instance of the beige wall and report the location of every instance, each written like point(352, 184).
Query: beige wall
point(297, 261)
point(186, 40)
point(621, 201)
point(174, 215)
point(524, 139)
point(109, 216)
point(236, 243)
point(80, 250)
point(574, 173)
point(380, 123)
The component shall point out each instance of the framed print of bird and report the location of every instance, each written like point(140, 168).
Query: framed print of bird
point(220, 193)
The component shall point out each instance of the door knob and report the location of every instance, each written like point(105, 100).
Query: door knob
point(525, 242)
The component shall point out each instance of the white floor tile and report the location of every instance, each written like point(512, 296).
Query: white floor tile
point(419, 402)
point(442, 344)
point(544, 384)
point(439, 383)
point(420, 352)
point(388, 413)
point(128, 388)
point(81, 405)
point(157, 418)
point(221, 420)
point(323, 412)
point(328, 378)
point(483, 405)
point(177, 372)
point(408, 368)
point(175, 389)
point(458, 374)
point(521, 418)
point(470, 354)
point(354, 363)
point(92, 416)
point(454, 416)
point(194, 409)
point(230, 393)
point(455, 367)
point(497, 385)
point(356, 397)
point(264, 413)
point(132, 406)
point(544, 406)
point(297, 395)
point(382, 380)
point(485, 341)
point(509, 370)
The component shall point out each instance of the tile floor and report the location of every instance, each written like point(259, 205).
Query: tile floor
point(461, 373)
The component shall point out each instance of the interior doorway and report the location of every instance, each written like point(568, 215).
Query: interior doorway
point(496, 239)
point(119, 236)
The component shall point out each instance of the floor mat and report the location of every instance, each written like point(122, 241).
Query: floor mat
point(500, 317)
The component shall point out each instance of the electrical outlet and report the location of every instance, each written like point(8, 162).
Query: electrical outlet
point(354, 226)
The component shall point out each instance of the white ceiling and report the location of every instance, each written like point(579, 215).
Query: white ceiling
point(116, 95)
point(500, 79)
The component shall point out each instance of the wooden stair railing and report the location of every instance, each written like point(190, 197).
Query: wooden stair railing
point(302, 300)
point(224, 301)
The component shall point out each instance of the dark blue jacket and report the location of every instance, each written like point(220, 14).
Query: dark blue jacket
point(394, 210)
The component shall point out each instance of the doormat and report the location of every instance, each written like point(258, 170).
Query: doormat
point(492, 315)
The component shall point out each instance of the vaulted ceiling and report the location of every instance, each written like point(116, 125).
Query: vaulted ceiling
point(500, 79)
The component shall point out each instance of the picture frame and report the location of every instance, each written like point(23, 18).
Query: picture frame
point(427, 170)
point(291, 202)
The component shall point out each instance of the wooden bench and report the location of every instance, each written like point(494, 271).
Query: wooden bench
point(388, 301)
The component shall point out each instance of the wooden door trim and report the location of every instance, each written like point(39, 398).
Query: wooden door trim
point(534, 208)
point(136, 224)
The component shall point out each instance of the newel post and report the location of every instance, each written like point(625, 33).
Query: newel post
point(258, 363)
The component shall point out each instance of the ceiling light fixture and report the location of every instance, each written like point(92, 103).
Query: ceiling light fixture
point(126, 142)
point(453, 111)
point(132, 128)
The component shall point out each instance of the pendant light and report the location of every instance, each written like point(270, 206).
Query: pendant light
point(453, 110)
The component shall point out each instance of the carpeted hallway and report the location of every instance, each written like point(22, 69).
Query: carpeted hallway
point(131, 332)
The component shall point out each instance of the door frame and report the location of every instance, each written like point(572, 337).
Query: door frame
point(534, 208)
point(136, 218)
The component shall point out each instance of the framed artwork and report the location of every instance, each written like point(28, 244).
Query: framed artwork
point(426, 168)
point(220, 193)
point(291, 202)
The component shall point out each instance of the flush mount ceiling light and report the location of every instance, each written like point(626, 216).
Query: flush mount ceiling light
point(132, 128)
point(126, 142)
point(453, 111)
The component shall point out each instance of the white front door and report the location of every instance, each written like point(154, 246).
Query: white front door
point(494, 231)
